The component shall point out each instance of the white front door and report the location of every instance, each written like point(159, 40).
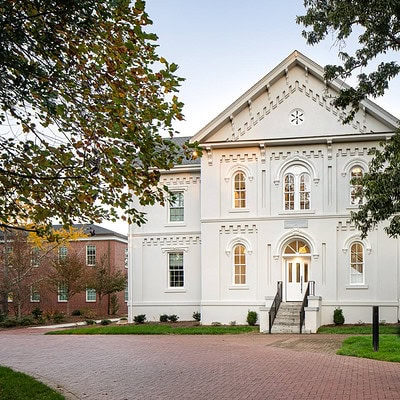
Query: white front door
point(297, 276)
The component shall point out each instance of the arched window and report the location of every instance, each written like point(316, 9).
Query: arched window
point(239, 190)
point(297, 189)
point(297, 247)
point(289, 192)
point(356, 174)
point(304, 191)
point(357, 270)
point(239, 265)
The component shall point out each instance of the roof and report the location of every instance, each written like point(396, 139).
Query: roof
point(180, 141)
point(295, 59)
point(95, 230)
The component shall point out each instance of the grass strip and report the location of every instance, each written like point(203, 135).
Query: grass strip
point(361, 346)
point(19, 386)
point(149, 329)
point(364, 329)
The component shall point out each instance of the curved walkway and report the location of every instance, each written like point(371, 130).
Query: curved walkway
point(231, 367)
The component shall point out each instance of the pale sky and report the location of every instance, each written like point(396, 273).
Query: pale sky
point(223, 47)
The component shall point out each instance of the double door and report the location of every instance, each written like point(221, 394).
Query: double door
point(297, 276)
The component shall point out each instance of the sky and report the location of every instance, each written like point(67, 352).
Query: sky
point(223, 47)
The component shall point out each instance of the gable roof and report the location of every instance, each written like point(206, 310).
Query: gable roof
point(180, 141)
point(282, 71)
point(96, 231)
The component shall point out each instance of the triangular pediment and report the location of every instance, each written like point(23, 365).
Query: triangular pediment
point(292, 101)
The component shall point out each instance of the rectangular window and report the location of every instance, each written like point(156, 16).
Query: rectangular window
point(90, 295)
point(290, 280)
point(35, 295)
point(176, 207)
point(62, 292)
point(90, 255)
point(126, 257)
point(35, 256)
point(175, 267)
point(126, 297)
point(10, 297)
point(62, 253)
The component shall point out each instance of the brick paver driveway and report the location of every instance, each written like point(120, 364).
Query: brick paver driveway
point(198, 367)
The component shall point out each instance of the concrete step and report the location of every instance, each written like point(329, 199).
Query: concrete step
point(285, 329)
point(288, 318)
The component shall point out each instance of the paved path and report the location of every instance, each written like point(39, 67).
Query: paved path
point(198, 367)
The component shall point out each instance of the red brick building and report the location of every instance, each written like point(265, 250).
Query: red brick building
point(100, 246)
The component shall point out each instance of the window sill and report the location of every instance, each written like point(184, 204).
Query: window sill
point(35, 301)
point(358, 286)
point(61, 301)
point(175, 290)
point(296, 212)
point(90, 301)
point(169, 224)
point(239, 210)
point(238, 287)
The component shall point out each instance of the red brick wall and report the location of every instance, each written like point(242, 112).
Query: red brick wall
point(115, 252)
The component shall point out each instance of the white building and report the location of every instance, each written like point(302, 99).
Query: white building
point(269, 202)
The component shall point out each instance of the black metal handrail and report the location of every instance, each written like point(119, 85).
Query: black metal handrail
point(310, 291)
point(275, 305)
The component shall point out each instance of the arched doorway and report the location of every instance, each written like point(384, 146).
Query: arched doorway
point(297, 258)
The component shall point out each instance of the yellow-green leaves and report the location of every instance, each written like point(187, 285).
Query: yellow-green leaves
point(89, 73)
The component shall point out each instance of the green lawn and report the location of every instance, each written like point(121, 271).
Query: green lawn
point(157, 329)
point(18, 386)
point(361, 346)
point(358, 329)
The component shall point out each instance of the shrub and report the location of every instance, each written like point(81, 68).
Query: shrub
point(196, 316)
point(338, 317)
point(105, 322)
point(252, 318)
point(76, 313)
point(49, 315)
point(232, 323)
point(173, 317)
point(216, 323)
point(9, 323)
point(90, 321)
point(163, 318)
point(26, 321)
point(89, 313)
point(140, 319)
point(37, 312)
point(58, 317)
point(3, 316)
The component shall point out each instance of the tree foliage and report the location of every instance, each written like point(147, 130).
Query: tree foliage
point(380, 187)
point(379, 24)
point(85, 102)
point(69, 273)
point(105, 281)
point(24, 261)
